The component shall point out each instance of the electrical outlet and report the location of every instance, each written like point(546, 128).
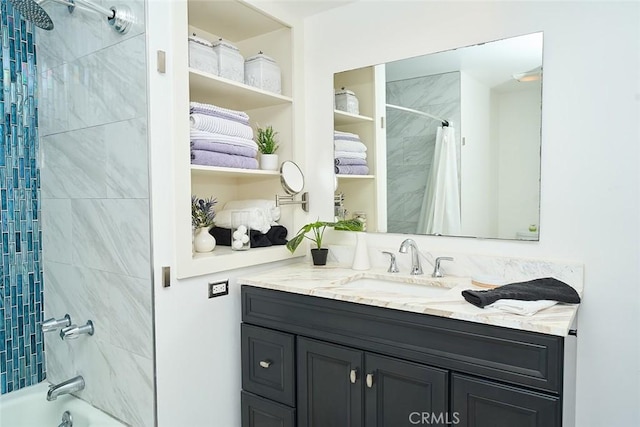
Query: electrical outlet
point(217, 289)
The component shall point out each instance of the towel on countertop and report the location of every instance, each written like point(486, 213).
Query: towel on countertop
point(345, 136)
point(523, 308)
point(349, 161)
point(219, 125)
point(275, 236)
point(214, 110)
point(212, 158)
point(220, 147)
point(350, 155)
point(201, 135)
point(342, 145)
point(268, 206)
point(547, 288)
point(352, 169)
point(258, 219)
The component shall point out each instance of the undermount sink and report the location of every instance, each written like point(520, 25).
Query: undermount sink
point(388, 286)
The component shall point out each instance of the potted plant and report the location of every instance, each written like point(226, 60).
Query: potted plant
point(202, 217)
point(267, 145)
point(316, 229)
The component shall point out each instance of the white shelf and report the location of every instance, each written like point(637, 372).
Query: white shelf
point(212, 89)
point(231, 172)
point(343, 118)
point(222, 258)
point(355, 176)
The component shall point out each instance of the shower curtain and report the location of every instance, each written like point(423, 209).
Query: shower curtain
point(440, 213)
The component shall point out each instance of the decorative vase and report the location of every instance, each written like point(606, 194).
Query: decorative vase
point(269, 162)
point(361, 254)
point(204, 242)
point(319, 256)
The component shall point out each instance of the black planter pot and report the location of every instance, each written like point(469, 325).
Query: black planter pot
point(319, 256)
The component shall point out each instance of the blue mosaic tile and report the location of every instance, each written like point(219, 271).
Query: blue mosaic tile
point(21, 341)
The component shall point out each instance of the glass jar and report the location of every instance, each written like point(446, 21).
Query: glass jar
point(362, 217)
point(240, 231)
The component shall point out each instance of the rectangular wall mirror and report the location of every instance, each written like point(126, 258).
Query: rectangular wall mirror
point(443, 144)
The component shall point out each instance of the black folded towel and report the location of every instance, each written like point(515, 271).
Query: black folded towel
point(277, 235)
point(547, 288)
point(223, 237)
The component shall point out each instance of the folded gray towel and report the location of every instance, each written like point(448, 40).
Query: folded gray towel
point(547, 288)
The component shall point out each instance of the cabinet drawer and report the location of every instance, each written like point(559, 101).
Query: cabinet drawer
point(260, 412)
point(268, 364)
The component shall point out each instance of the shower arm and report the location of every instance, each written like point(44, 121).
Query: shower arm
point(84, 4)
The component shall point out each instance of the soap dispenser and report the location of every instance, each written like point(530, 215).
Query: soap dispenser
point(361, 253)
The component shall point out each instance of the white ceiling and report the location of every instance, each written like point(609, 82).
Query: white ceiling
point(305, 8)
point(492, 63)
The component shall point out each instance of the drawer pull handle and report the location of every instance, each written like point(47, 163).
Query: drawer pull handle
point(265, 363)
point(353, 376)
point(369, 380)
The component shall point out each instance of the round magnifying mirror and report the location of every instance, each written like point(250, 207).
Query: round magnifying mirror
point(291, 177)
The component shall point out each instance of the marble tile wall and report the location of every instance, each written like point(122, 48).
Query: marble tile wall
point(95, 207)
point(411, 142)
point(21, 342)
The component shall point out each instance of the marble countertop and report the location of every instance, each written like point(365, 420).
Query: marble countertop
point(328, 281)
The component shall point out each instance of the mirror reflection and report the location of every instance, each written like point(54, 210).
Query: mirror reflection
point(459, 154)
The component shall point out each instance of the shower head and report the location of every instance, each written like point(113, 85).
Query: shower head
point(32, 11)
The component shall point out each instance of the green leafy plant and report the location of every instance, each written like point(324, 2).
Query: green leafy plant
point(266, 140)
point(316, 229)
point(202, 213)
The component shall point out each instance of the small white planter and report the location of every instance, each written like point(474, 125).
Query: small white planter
point(269, 162)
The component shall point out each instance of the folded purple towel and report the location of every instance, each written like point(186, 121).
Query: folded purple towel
point(352, 170)
point(224, 148)
point(349, 161)
point(212, 158)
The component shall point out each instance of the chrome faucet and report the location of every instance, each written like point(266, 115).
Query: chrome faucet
point(436, 266)
point(416, 268)
point(67, 387)
point(393, 267)
point(74, 331)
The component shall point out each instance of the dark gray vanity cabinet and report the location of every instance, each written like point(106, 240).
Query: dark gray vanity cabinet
point(316, 362)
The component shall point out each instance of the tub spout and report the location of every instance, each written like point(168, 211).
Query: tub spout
point(67, 387)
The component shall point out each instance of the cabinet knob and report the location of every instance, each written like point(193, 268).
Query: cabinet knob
point(353, 376)
point(369, 380)
point(265, 363)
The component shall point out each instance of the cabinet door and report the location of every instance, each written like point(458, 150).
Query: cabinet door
point(261, 412)
point(481, 403)
point(329, 385)
point(400, 393)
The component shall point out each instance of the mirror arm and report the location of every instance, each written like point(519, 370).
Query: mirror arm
point(289, 200)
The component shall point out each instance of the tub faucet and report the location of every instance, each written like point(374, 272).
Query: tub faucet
point(67, 387)
point(416, 268)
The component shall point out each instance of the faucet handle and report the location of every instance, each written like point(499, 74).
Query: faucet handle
point(54, 324)
point(436, 266)
point(74, 331)
point(393, 267)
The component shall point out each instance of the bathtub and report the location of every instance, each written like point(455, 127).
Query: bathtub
point(29, 407)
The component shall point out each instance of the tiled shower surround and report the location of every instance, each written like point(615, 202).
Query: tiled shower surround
point(411, 142)
point(21, 288)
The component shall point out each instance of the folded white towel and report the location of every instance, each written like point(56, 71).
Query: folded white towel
point(257, 219)
point(342, 145)
point(204, 108)
point(219, 125)
point(346, 135)
point(350, 154)
point(268, 206)
point(523, 308)
point(200, 135)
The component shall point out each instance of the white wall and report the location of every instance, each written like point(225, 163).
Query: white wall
point(478, 195)
point(590, 181)
point(518, 133)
